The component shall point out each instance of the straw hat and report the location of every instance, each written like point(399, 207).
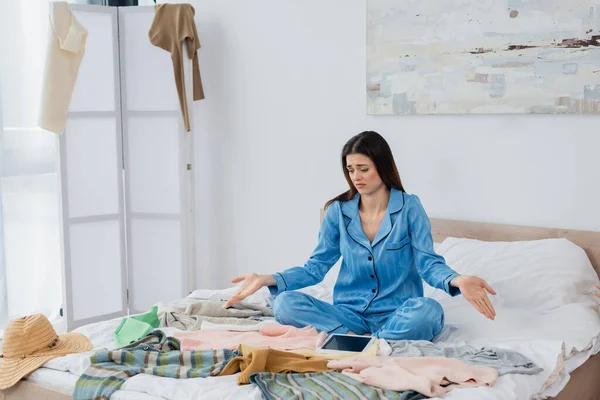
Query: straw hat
point(29, 343)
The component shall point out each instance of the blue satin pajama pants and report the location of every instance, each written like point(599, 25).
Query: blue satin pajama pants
point(419, 318)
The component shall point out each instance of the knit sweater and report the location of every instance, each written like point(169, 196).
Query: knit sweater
point(431, 376)
point(174, 25)
point(280, 337)
point(268, 360)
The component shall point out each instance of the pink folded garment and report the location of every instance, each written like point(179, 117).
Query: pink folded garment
point(425, 375)
point(274, 336)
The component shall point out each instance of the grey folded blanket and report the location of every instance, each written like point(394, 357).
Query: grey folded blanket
point(188, 314)
point(505, 361)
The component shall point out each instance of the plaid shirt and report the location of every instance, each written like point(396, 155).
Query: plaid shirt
point(323, 386)
point(156, 354)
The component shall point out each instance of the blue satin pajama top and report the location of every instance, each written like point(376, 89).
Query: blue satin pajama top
point(374, 277)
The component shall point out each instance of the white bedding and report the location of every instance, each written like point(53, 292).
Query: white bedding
point(61, 373)
point(559, 340)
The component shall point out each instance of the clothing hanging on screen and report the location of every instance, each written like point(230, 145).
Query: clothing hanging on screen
point(66, 46)
point(172, 26)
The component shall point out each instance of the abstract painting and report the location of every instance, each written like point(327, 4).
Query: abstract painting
point(483, 57)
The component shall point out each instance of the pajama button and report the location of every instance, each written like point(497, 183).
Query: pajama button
point(373, 290)
point(372, 276)
point(370, 258)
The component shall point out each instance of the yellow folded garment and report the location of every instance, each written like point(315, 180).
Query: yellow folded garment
point(255, 359)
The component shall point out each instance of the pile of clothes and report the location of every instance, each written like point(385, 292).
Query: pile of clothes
point(194, 338)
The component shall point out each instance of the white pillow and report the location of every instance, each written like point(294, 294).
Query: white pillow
point(540, 274)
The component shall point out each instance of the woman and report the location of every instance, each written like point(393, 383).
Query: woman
point(384, 238)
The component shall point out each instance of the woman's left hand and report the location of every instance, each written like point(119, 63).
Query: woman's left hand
point(473, 288)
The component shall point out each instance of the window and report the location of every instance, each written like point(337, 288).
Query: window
point(30, 271)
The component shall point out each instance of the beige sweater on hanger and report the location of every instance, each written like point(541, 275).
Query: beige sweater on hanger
point(66, 45)
point(174, 24)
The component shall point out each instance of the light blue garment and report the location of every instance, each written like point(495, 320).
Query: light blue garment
point(505, 361)
point(417, 317)
point(376, 279)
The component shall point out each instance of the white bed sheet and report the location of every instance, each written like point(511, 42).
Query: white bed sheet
point(463, 325)
point(62, 373)
point(64, 382)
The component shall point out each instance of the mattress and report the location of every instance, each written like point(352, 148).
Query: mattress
point(558, 358)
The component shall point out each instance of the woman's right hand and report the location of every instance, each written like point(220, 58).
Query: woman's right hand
point(252, 283)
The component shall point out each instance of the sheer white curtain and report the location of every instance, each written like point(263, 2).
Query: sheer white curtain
point(3, 291)
point(30, 271)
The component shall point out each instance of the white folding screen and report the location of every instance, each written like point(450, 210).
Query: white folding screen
point(126, 184)
point(93, 223)
point(157, 155)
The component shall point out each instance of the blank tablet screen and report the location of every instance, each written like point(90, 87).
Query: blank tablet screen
point(346, 343)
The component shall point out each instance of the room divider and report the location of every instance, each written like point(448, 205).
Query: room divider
point(126, 173)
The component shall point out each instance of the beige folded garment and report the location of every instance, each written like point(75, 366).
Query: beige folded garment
point(65, 50)
point(189, 314)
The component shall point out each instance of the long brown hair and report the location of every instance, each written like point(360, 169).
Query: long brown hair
point(374, 146)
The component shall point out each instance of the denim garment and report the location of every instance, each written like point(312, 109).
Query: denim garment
point(379, 288)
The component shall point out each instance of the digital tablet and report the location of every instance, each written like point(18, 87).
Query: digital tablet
point(338, 343)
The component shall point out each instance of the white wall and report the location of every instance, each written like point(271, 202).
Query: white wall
point(285, 86)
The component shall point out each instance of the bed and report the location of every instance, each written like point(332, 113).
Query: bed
point(572, 365)
point(584, 381)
